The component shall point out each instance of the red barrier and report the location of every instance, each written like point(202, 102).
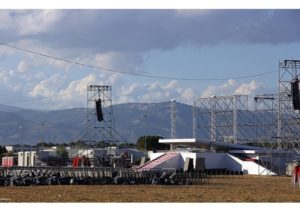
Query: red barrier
point(296, 176)
point(8, 161)
point(76, 161)
point(81, 161)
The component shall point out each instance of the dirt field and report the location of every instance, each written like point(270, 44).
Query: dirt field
point(229, 189)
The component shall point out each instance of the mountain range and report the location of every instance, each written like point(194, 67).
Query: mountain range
point(25, 126)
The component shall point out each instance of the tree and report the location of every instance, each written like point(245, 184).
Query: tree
point(62, 152)
point(2, 151)
point(152, 143)
point(44, 144)
point(129, 145)
point(78, 144)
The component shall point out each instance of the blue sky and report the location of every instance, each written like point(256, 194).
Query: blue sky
point(198, 44)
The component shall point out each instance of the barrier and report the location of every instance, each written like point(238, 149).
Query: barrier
point(25, 176)
point(296, 176)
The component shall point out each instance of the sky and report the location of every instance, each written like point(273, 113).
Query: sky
point(221, 52)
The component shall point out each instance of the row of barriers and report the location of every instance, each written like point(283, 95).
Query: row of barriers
point(26, 176)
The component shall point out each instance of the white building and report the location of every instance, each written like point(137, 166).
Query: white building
point(26, 158)
point(12, 148)
point(230, 157)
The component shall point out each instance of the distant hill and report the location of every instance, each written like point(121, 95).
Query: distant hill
point(23, 126)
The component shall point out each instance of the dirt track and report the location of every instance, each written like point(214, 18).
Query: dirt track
point(228, 189)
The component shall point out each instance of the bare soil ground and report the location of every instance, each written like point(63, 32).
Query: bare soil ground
point(222, 189)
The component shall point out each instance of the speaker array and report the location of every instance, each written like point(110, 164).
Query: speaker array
point(99, 110)
point(295, 94)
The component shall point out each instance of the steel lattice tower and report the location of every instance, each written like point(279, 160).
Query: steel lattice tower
point(266, 113)
point(194, 120)
point(274, 124)
point(217, 118)
point(99, 130)
point(288, 117)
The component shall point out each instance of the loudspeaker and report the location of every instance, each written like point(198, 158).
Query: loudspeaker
point(295, 94)
point(99, 110)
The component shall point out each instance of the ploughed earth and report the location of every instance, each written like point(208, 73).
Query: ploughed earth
point(219, 189)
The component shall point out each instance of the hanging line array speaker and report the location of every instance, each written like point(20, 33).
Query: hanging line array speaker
point(99, 110)
point(295, 94)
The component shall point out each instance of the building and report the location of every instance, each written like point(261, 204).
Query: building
point(216, 156)
point(18, 148)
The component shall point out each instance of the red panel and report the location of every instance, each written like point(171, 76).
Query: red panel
point(7, 161)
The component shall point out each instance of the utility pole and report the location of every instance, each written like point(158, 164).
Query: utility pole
point(145, 141)
point(173, 118)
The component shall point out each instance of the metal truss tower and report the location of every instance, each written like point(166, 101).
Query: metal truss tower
point(219, 118)
point(99, 130)
point(266, 126)
point(266, 107)
point(173, 118)
point(288, 117)
point(273, 124)
point(194, 120)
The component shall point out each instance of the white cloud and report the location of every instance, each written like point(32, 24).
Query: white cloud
point(77, 88)
point(71, 93)
point(36, 21)
point(40, 61)
point(155, 92)
point(171, 85)
point(188, 95)
point(6, 20)
point(127, 90)
point(232, 87)
point(117, 40)
point(4, 77)
point(48, 87)
point(225, 89)
point(248, 88)
point(22, 67)
point(137, 30)
point(125, 61)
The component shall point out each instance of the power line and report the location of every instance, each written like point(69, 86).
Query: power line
point(133, 74)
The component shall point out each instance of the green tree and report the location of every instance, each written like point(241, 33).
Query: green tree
point(44, 144)
point(62, 152)
point(129, 145)
point(101, 144)
point(2, 151)
point(78, 144)
point(152, 143)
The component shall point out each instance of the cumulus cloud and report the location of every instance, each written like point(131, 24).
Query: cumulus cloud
point(233, 87)
point(155, 92)
point(48, 87)
point(248, 88)
point(130, 62)
point(4, 77)
point(118, 39)
point(22, 67)
point(32, 22)
point(77, 88)
point(65, 92)
point(29, 22)
point(144, 30)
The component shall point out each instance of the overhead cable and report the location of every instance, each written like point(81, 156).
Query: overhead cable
point(134, 74)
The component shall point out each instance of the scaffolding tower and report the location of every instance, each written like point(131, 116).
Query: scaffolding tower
point(222, 118)
point(265, 112)
point(99, 130)
point(288, 116)
point(274, 124)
